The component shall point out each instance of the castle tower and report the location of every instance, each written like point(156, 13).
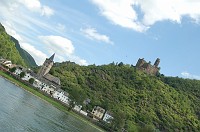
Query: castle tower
point(157, 62)
point(46, 67)
point(140, 63)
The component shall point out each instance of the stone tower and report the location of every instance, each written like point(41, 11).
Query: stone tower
point(157, 62)
point(140, 62)
point(46, 67)
point(147, 67)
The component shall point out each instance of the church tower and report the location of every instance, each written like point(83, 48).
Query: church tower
point(46, 67)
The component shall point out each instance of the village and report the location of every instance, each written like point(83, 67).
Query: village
point(51, 86)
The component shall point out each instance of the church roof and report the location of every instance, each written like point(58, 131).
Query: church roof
point(52, 57)
point(52, 78)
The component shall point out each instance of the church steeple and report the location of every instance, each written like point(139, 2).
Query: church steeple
point(46, 67)
point(52, 57)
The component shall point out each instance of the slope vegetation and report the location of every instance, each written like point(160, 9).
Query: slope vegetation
point(24, 54)
point(138, 101)
point(8, 49)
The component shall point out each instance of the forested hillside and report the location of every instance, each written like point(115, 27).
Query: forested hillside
point(138, 101)
point(29, 60)
point(8, 49)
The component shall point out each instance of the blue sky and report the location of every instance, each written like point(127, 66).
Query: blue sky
point(102, 31)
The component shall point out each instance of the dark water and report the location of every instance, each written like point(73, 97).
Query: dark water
point(21, 111)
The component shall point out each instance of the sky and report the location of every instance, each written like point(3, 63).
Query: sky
point(105, 31)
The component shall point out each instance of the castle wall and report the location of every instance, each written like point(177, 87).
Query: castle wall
point(147, 67)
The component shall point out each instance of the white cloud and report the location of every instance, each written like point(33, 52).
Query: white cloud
point(120, 12)
point(37, 54)
point(9, 29)
point(61, 27)
point(124, 13)
point(93, 34)
point(47, 11)
point(63, 48)
point(77, 59)
point(13, 12)
point(36, 6)
point(191, 76)
point(25, 27)
point(58, 44)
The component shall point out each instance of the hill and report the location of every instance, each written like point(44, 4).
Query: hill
point(139, 102)
point(29, 60)
point(10, 49)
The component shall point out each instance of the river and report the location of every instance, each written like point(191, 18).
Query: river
point(21, 111)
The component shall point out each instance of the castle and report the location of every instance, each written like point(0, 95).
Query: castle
point(147, 67)
point(44, 76)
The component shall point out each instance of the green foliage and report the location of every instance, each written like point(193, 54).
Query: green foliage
point(8, 49)
point(28, 59)
point(186, 85)
point(138, 101)
point(71, 104)
point(22, 74)
point(12, 69)
point(31, 80)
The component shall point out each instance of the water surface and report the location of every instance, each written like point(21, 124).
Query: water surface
point(21, 111)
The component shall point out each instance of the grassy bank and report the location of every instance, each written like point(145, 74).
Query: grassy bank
point(46, 98)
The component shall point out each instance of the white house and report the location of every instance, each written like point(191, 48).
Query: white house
point(107, 117)
point(62, 96)
point(19, 69)
point(48, 89)
point(77, 108)
point(27, 77)
point(83, 112)
point(38, 84)
point(98, 112)
point(7, 63)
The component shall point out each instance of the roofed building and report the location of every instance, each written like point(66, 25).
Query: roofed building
point(46, 67)
point(108, 117)
point(98, 112)
point(44, 76)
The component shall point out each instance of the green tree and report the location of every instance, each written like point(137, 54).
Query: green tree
point(22, 74)
point(12, 69)
point(31, 80)
point(71, 104)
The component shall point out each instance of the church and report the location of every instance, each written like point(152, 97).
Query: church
point(44, 76)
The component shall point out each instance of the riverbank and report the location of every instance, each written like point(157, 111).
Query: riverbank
point(46, 99)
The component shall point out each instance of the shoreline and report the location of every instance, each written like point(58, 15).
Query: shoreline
point(52, 102)
point(25, 89)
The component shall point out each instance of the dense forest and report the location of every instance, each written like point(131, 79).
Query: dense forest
point(138, 101)
point(11, 50)
point(8, 49)
point(29, 60)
